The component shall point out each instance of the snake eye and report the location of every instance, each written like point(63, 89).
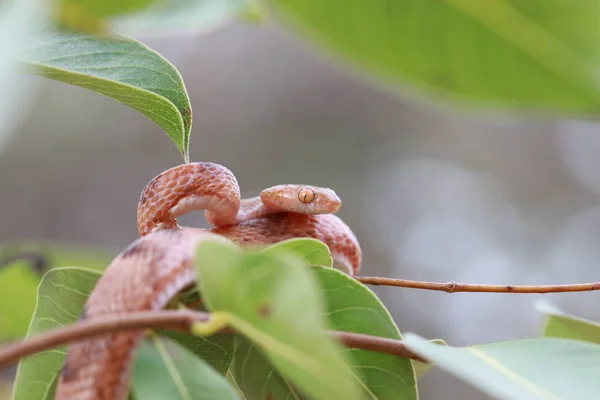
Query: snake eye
point(306, 195)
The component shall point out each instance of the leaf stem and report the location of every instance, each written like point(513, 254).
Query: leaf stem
point(216, 323)
point(181, 320)
point(454, 287)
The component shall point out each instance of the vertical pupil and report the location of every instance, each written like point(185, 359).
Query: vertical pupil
point(304, 196)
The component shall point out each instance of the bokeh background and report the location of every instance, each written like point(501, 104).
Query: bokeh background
point(432, 193)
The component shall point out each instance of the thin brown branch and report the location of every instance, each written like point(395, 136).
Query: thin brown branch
point(453, 287)
point(181, 320)
point(375, 343)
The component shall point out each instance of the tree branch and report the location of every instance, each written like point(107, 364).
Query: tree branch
point(376, 343)
point(453, 287)
point(180, 320)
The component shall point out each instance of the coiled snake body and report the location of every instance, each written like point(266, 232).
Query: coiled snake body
point(158, 265)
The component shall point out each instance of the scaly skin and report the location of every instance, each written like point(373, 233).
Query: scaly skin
point(157, 266)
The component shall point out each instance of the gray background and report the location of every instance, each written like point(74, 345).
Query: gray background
point(432, 194)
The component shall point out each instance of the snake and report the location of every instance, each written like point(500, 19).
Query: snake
point(158, 265)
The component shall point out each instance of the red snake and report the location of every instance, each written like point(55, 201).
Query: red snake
point(154, 268)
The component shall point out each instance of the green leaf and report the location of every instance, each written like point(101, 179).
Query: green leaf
point(61, 296)
point(526, 369)
point(89, 16)
point(216, 350)
point(559, 324)
point(49, 395)
point(352, 307)
point(274, 300)
point(313, 251)
point(422, 368)
point(107, 8)
point(180, 15)
point(70, 15)
point(535, 54)
point(255, 13)
point(175, 373)
point(18, 288)
point(120, 68)
point(58, 254)
point(19, 279)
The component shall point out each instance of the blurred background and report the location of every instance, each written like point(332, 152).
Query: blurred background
point(432, 193)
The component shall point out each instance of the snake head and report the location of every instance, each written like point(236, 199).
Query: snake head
point(304, 199)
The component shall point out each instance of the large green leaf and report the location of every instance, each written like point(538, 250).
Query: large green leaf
point(61, 296)
point(538, 54)
point(180, 15)
point(252, 372)
point(559, 324)
point(175, 373)
point(274, 301)
point(120, 68)
point(526, 369)
point(218, 349)
point(351, 307)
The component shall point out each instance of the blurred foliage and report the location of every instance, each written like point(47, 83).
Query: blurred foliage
point(561, 325)
point(540, 368)
point(60, 299)
point(190, 16)
point(17, 19)
point(90, 15)
point(422, 368)
point(109, 8)
point(22, 266)
point(520, 54)
point(45, 255)
point(18, 287)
